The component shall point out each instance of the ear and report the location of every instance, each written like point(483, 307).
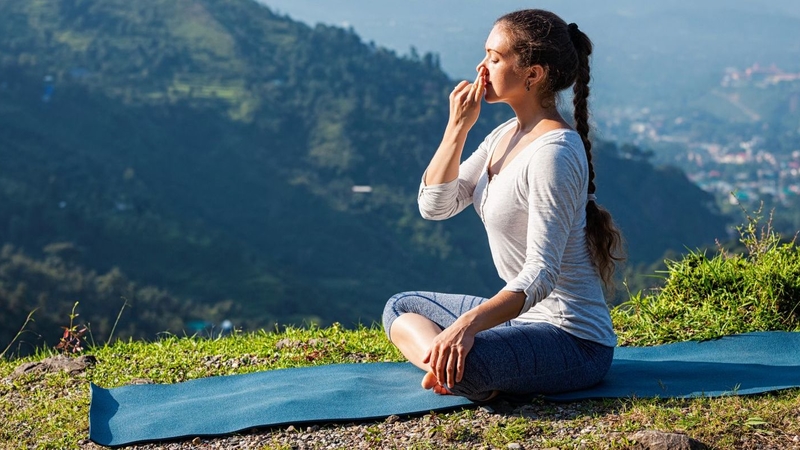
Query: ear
point(536, 74)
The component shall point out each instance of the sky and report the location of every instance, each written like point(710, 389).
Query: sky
point(456, 29)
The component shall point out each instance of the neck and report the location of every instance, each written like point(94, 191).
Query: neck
point(530, 114)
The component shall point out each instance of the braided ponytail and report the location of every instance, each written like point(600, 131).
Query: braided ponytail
point(541, 37)
point(602, 236)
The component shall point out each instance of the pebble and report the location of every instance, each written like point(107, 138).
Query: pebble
point(514, 446)
point(487, 409)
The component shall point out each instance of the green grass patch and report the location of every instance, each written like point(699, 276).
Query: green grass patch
point(728, 293)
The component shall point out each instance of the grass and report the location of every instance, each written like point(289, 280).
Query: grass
point(708, 297)
point(51, 410)
point(702, 297)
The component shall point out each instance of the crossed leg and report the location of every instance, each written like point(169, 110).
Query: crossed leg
point(516, 358)
point(412, 334)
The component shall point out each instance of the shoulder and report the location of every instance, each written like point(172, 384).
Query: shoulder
point(566, 139)
point(559, 148)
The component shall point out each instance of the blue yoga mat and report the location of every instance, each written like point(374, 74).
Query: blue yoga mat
point(222, 405)
point(749, 363)
point(741, 364)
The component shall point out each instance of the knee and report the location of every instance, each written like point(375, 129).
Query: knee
point(395, 306)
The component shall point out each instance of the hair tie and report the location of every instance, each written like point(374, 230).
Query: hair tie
point(591, 197)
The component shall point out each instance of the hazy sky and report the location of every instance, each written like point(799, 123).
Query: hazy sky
point(456, 29)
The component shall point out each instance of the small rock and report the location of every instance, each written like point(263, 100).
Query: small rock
point(196, 441)
point(393, 418)
point(142, 381)
point(487, 409)
point(313, 428)
point(56, 363)
point(658, 440)
point(287, 343)
point(513, 446)
point(291, 429)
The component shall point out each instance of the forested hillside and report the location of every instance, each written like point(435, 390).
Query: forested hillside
point(207, 150)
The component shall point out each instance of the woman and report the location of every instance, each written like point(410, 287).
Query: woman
point(532, 183)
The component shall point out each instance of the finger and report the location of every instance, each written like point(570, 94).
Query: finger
point(433, 358)
point(440, 368)
point(451, 368)
point(427, 358)
point(459, 87)
point(458, 96)
point(476, 91)
point(479, 89)
point(460, 367)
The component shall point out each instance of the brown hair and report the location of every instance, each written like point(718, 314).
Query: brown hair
point(542, 38)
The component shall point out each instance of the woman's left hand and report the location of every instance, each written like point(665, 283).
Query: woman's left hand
point(448, 352)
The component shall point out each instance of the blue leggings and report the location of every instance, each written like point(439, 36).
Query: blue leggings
point(516, 357)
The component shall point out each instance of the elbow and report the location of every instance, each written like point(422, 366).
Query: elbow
point(539, 288)
point(428, 216)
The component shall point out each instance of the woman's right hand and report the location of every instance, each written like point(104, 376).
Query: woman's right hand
point(465, 107)
point(465, 101)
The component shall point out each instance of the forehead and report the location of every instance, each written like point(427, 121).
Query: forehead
point(497, 40)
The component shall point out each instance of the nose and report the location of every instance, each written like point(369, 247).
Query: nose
point(481, 65)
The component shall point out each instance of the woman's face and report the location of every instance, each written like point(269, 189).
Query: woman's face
point(504, 80)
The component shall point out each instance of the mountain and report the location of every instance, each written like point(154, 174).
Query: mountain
point(211, 149)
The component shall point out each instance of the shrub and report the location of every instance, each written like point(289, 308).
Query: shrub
point(729, 293)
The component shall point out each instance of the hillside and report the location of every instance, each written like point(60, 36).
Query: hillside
point(208, 149)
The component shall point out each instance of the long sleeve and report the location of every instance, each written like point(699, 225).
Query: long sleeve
point(443, 201)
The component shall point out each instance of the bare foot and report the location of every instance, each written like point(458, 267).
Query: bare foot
point(429, 381)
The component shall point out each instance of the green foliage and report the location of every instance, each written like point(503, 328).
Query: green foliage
point(210, 148)
point(705, 298)
point(35, 293)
